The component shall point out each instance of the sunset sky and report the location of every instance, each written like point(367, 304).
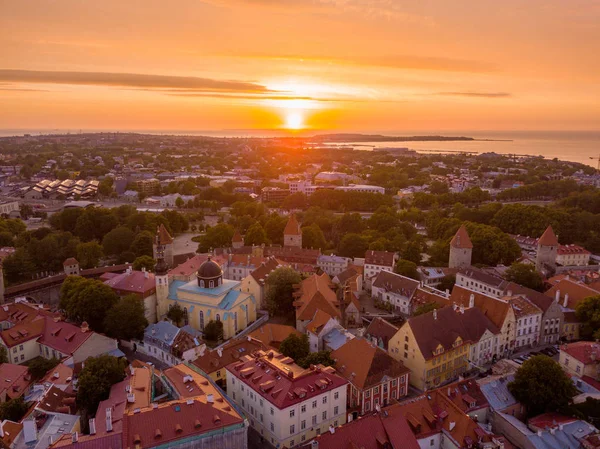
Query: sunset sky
point(378, 65)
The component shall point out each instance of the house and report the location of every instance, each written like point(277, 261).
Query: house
point(286, 404)
point(569, 292)
point(16, 380)
point(375, 379)
point(500, 399)
point(187, 270)
point(581, 358)
point(61, 376)
point(528, 318)
point(142, 284)
point(439, 346)
point(170, 344)
point(256, 282)
point(432, 276)
point(213, 362)
point(468, 397)
point(239, 266)
point(482, 282)
point(314, 293)
point(71, 266)
point(396, 290)
point(316, 329)
point(271, 334)
point(373, 431)
point(376, 261)
point(572, 256)
point(380, 332)
point(332, 265)
point(9, 431)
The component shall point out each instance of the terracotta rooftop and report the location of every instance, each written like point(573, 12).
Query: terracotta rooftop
point(466, 395)
point(586, 352)
point(264, 269)
point(571, 249)
point(384, 258)
point(522, 306)
point(237, 237)
point(280, 381)
point(11, 431)
point(365, 365)
point(14, 380)
point(315, 293)
point(141, 282)
point(548, 238)
point(57, 401)
point(347, 274)
point(577, 292)
point(292, 227)
point(395, 283)
point(495, 309)
point(231, 352)
point(382, 330)
point(245, 260)
point(59, 375)
point(461, 239)
point(64, 337)
point(162, 235)
point(70, 261)
point(271, 334)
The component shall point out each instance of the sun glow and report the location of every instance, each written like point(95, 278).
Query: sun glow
point(294, 120)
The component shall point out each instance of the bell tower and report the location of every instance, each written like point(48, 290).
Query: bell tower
point(161, 277)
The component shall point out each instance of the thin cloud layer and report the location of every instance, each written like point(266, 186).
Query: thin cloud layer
point(476, 94)
point(129, 80)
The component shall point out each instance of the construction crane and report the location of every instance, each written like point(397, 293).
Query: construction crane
point(596, 159)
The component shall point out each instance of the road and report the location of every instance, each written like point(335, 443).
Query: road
point(182, 244)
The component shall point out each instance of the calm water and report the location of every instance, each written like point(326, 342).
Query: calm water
point(576, 146)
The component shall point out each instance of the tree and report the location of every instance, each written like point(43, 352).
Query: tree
point(87, 300)
point(176, 314)
point(179, 202)
point(89, 254)
point(588, 314)
point(13, 410)
point(218, 236)
point(99, 374)
point(353, 245)
point(295, 346)
point(407, 268)
point(105, 188)
point(542, 386)
point(39, 366)
point(6, 239)
point(295, 201)
point(426, 308)
point(317, 358)
point(255, 235)
point(213, 331)
point(491, 246)
point(412, 252)
point(312, 237)
point(126, 319)
point(144, 262)
point(117, 241)
point(142, 244)
point(525, 275)
point(447, 282)
point(3, 355)
point(280, 289)
point(18, 266)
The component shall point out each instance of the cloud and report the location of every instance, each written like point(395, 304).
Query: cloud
point(475, 94)
point(134, 80)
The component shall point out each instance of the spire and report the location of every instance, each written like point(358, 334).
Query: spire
point(162, 236)
point(548, 238)
point(461, 239)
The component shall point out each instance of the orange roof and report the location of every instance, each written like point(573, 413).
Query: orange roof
point(495, 309)
point(271, 334)
point(70, 261)
point(365, 365)
point(292, 227)
point(237, 237)
point(577, 292)
point(548, 238)
point(461, 239)
point(15, 380)
point(314, 293)
point(11, 432)
point(162, 235)
point(319, 320)
point(522, 306)
point(586, 352)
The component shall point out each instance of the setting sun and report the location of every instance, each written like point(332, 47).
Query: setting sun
point(294, 120)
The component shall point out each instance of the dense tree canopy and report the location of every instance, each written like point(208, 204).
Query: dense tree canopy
point(295, 346)
point(87, 300)
point(96, 378)
point(588, 314)
point(526, 275)
point(280, 289)
point(218, 236)
point(126, 319)
point(407, 268)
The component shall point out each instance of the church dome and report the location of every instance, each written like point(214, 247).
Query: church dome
point(209, 274)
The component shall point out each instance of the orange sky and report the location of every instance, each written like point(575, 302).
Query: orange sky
point(378, 65)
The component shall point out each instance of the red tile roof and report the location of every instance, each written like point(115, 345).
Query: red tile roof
point(264, 269)
point(271, 334)
point(14, 380)
point(292, 227)
point(461, 239)
point(232, 351)
point(571, 249)
point(133, 282)
point(577, 292)
point(64, 337)
point(162, 236)
point(395, 283)
point(548, 238)
point(384, 258)
point(315, 293)
point(381, 329)
point(278, 379)
point(237, 237)
point(586, 352)
point(70, 261)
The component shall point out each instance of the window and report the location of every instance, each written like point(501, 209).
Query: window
point(431, 442)
point(202, 321)
point(335, 410)
point(16, 359)
point(292, 429)
point(367, 406)
point(243, 403)
point(272, 411)
point(219, 373)
point(376, 390)
point(20, 347)
point(15, 350)
point(314, 420)
point(324, 415)
point(324, 399)
point(292, 413)
point(303, 409)
point(394, 382)
point(261, 402)
point(318, 431)
point(234, 395)
point(336, 395)
point(578, 368)
point(201, 284)
point(211, 284)
point(292, 443)
point(303, 424)
point(272, 427)
point(218, 317)
point(314, 404)
point(303, 438)
point(261, 417)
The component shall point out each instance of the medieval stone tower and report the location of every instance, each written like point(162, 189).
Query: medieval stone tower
point(161, 276)
point(545, 260)
point(164, 240)
point(292, 235)
point(461, 249)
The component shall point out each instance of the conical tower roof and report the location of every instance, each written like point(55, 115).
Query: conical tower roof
point(461, 239)
point(162, 236)
point(292, 227)
point(548, 238)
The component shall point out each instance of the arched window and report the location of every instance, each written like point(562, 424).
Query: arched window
point(201, 284)
point(218, 317)
point(218, 282)
point(185, 317)
point(202, 320)
point(235, 323)
point(211, 284)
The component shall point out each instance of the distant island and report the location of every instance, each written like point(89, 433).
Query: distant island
point(346, 137)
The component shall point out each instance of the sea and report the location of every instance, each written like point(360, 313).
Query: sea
point(575, 146)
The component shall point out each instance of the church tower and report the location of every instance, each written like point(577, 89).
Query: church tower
point(163, 239)
point(237, 241)
point(292, 235)
point(461, 249)
point(161, 278)
point(547, 247)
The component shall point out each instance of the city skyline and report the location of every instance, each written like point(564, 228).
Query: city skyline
point(314, 65)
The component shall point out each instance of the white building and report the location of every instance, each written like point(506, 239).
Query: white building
point(332, 265)
point(362, 188)
point(528, 318)
point(376, 261)
point(169, 344)
point(396, 290)
point(287, 405)
point(480, 281)
point(572, 256)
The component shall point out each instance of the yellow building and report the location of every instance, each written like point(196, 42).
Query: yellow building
point(207, 298)
point(433, 346)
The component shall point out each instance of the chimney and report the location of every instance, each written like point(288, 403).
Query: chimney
point(85, 327)
point(220, 352)
point(472, 301)
point(1, 430)
point(109, 426)
point(332, 429)
point(566, 300)
point(509, 293)
point(539, 433)
point(92, 426)
point(314, 444)
point(557, 296)
point(75, 437)
point(210, 398)
point(435, 314)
